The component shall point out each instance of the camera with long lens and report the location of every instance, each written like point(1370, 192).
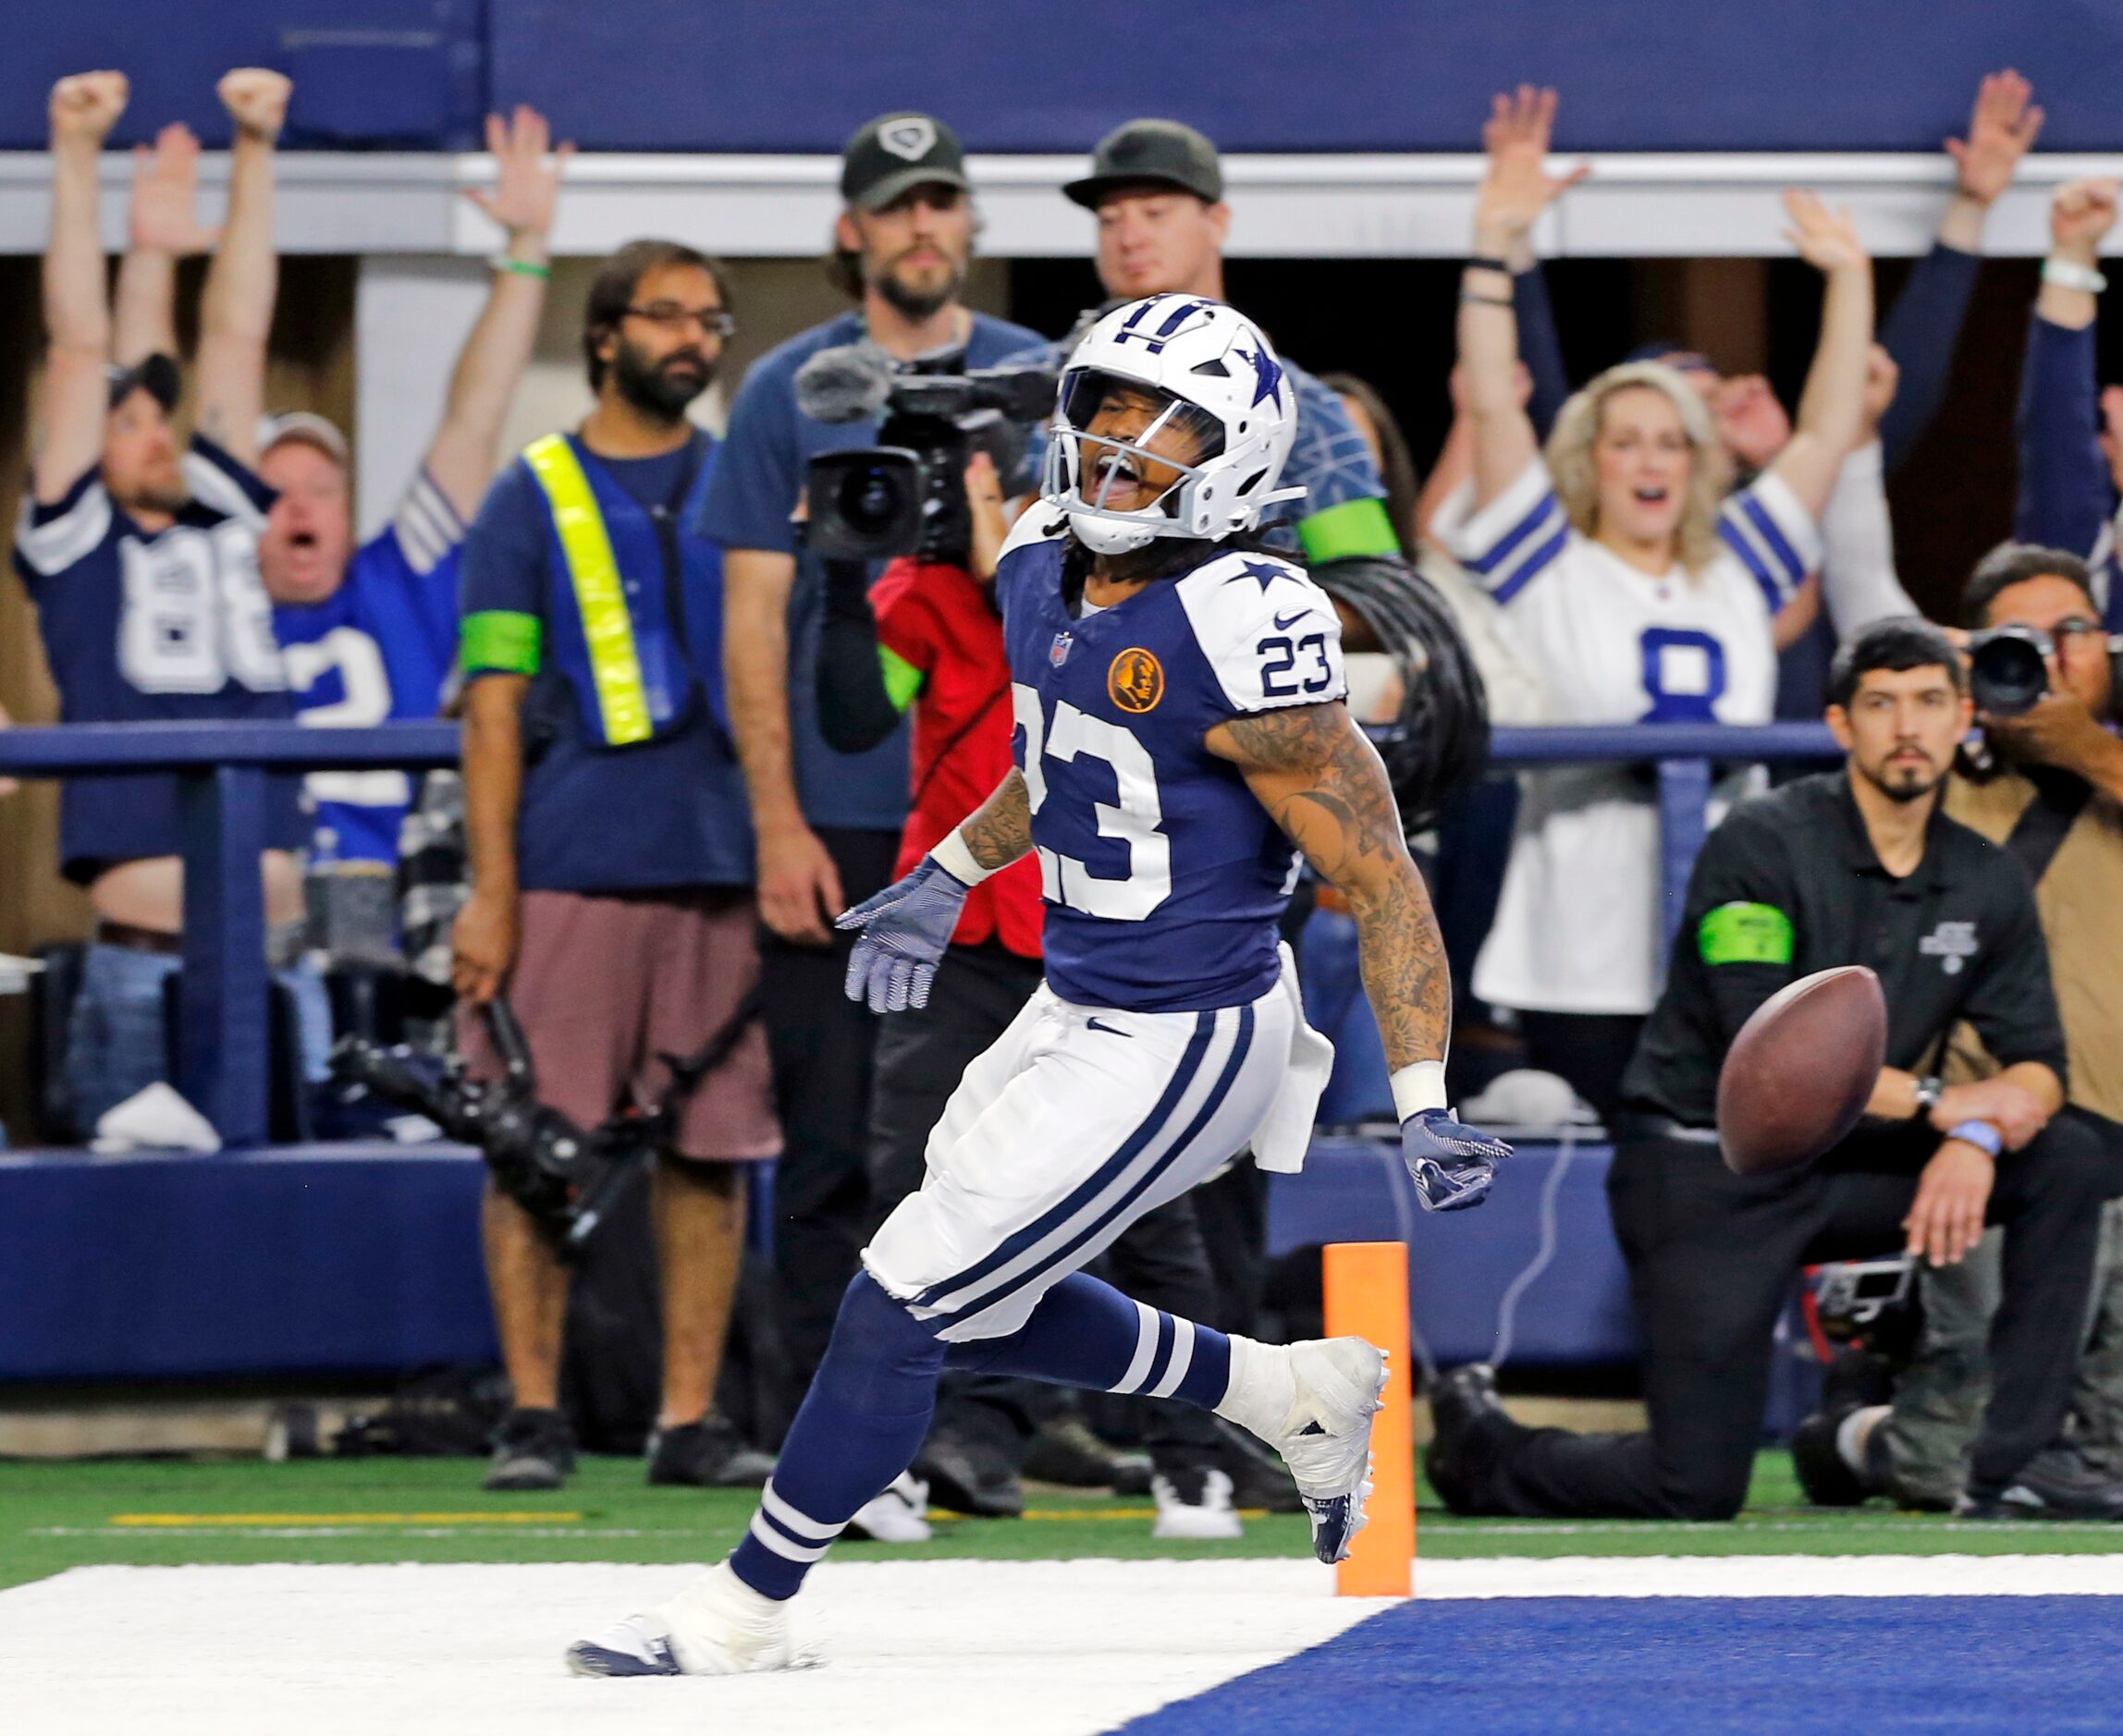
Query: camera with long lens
point(2009, 668)
point(906, 494)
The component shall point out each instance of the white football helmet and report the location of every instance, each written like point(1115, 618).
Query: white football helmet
point(1215, 374)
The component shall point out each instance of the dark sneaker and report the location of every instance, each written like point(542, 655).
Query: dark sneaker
point(532, 1449)
point(709, 1454)
point(1823, 1478)
point(2055, 1483)
point(965, 1477)
point(1068, 1452)
point(1465, 1409)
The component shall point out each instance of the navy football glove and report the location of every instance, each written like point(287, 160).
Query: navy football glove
point(904, 930)
point(1453, 1165)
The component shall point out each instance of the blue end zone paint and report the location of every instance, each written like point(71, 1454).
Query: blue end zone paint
point(1687, 1665)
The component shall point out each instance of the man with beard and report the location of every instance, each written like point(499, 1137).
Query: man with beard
point(828, 823)
point(1859, 866)
point(610, 851)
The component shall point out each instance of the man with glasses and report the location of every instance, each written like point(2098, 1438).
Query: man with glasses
point(611, 851)
point(828, 823)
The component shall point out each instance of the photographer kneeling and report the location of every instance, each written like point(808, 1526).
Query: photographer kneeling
point(611, 848)
point(2049, 787)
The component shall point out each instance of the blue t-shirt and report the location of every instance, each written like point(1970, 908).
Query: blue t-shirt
point(169, 626)
point(658, 814)
point(760, 472)
point(378, 648)
point(1164, 876)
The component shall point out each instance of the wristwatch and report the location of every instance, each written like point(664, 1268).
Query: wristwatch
point(1930, 1089)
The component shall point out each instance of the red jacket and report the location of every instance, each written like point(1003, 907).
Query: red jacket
point(944, 623)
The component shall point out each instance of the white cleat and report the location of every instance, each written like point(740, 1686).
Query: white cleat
point(899, 1515)
point(1197, 1509)
point(718, 1626)
point(1313, 1402)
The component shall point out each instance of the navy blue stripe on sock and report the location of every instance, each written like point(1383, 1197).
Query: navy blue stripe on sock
point(1067, 1252)
point(1160, 1358)
point(1130, 1149)
point(796, 1537)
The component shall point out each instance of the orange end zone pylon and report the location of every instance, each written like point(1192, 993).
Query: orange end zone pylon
point(1366, 1286)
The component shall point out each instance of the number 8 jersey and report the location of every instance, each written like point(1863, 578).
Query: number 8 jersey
point(1163, 877)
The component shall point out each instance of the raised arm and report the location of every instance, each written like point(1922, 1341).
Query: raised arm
point(526, 188)
point(2065, 491)
point(77, 317)
point(163, 227)
point(1832, 410)
point(1514, 191)
point(235, 308)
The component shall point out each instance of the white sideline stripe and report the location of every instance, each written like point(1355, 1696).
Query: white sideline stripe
point(772, 1539)
point(1776, 1576)
point(803, 1524)
point(1146, 1349)
point(1182, 1354)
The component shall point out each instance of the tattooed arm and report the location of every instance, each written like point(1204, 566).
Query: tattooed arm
point(999, 831)
point(1322, 782)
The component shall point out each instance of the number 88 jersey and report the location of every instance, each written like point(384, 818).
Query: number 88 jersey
point(1163, 877)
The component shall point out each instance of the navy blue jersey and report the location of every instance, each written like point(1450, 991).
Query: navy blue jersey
point(1164, 878)
point(171, 626)
point(378, 648)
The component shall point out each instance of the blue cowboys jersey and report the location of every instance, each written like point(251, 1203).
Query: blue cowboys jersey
point(1163, 877)
point(171, 626)
point(379, 647)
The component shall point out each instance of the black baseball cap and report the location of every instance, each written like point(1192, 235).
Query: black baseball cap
point(897, 151)
point(1161, 152)
point(157, 375)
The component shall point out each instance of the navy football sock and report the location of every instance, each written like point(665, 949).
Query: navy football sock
point(860, 1425)
point(1085, 1333)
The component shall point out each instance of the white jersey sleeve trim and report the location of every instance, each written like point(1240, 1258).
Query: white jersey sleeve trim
point(213, 486)
point(1268, 634)
point(1514, 539)
point(427, 525)
point(1859, 581)
point(1037, 523)
point(1775, 538)
point(56, 544)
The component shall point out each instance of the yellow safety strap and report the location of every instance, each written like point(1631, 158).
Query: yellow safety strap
point(615, 665)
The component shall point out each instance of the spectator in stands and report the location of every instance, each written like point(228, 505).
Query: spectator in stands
point(1849, 866)
point(2070, 431)
point(611, 861)
point(137, 550)
point(2052, 794)
point(1644, 594)
point(829, 824)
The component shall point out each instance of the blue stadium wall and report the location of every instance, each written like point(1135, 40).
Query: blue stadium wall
point(1013, 75)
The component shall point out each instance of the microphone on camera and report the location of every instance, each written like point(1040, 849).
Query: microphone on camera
point(850, 384)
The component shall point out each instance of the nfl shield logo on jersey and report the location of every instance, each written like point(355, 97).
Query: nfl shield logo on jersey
point(1057, 652)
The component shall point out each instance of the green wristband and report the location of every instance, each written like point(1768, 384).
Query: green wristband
point(523, 267)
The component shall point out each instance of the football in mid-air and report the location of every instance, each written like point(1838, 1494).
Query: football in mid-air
point(1800, 1071)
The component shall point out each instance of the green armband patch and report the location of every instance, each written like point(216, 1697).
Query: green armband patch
point(501, 640)
point(1745, 934)
point(1356, 527)
point(902, 680)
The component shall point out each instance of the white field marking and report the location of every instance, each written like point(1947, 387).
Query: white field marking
point(915, 1648)
point(1776, 1576)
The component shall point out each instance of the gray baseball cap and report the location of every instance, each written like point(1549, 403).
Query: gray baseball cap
point(897, 151)
point(1164, 151)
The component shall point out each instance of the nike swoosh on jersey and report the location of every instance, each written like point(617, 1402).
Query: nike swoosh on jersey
point(1111, 1031)
point(1285, 622)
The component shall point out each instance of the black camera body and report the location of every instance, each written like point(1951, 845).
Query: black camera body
point(906, 494)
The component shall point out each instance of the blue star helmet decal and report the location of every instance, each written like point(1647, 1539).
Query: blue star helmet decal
point(1267, 374)
point(1266, 571)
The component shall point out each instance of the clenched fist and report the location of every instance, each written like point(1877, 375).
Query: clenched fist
point(256, 99)
point(86, 107)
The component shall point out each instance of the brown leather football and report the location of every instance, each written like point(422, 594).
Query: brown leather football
point(1800, 1071)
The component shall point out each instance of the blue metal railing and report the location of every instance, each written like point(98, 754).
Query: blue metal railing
point(222, 770)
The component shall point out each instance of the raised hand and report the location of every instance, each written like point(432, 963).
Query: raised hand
point(1452, 1165)
point(527, 171)
point(2080, 214)
point(86, 105)
point(2002, 128)
point(901, 934)
point(256, 99)
point(165, 217)
point(1518, 187)
point(1882, 377)
point(1826, 239)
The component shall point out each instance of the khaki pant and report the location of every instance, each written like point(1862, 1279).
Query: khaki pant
point(1940, 1398)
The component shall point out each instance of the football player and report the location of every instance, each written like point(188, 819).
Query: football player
point(1178, 694)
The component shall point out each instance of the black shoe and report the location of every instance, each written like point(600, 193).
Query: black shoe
point(966, 1477)
point(1823, 1478)
point(709, 1454)
point(1855, 1379)
point(1258, 1476)
point(532, 1449)
point(2055, 1484)
point(1066, 1451)
point(1464, 1414)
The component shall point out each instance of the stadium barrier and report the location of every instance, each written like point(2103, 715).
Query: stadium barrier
point(224, 769)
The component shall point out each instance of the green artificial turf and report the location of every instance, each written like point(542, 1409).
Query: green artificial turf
point(55, 1516)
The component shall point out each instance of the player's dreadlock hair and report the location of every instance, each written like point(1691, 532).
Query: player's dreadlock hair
point(1439, 740)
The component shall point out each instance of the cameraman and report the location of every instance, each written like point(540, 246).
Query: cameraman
point(828, 823)
point(2052, 796)
point(611, 857)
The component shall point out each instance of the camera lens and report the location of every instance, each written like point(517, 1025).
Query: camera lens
point(869, 498)
point(2006, 673)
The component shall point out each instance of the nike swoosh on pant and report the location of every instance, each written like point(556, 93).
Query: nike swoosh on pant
point(1111, 1031)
